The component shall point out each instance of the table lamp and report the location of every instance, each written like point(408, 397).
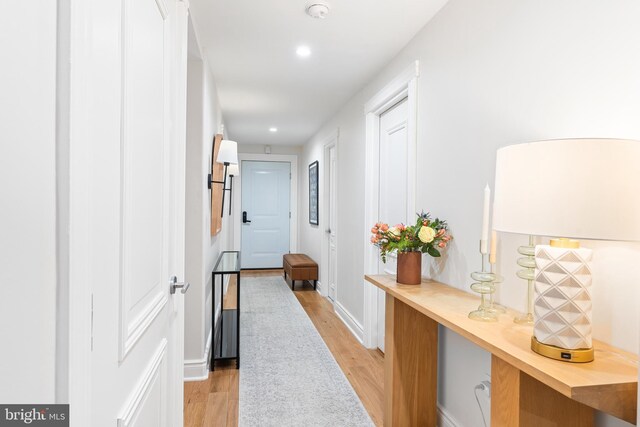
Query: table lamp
point(567, 188)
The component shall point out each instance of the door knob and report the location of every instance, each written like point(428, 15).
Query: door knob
point(174, 284)
point(244, 218)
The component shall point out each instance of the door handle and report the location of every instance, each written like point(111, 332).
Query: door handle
point(174, 284)
point(244, 218)
point(328, 230)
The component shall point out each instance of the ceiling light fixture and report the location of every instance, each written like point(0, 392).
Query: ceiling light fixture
point(273, 129)
point(303, 51)
point(318, 10)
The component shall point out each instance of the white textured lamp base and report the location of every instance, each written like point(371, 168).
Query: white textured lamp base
point(562, 297)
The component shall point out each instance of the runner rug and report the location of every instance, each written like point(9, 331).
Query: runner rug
point(288, 376)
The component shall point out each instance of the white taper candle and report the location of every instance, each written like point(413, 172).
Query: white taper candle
point(485, 221)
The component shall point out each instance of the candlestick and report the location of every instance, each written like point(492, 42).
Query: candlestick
point(528, 274)
point(485, 220)
point(484, 286)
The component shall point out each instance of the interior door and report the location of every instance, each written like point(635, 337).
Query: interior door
point(332, 224)
point(136, 234)
point(393, 201)
point(266, 213)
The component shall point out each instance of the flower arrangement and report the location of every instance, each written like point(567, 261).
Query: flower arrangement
point(427, 236)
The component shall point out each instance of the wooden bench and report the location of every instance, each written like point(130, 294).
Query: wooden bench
point(300, 267)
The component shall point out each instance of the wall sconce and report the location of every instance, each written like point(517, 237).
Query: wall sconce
point(228, 156)
point(234, 170)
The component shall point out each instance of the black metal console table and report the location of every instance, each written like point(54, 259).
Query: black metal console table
point(226, 336)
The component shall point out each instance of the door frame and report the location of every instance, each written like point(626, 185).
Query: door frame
point(293, 196)
point(74, 180)
point(330, 141)
point(404, 85)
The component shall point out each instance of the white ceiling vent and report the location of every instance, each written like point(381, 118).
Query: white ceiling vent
point(318, 10)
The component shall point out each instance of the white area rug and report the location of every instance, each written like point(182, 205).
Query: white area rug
point(288, 376)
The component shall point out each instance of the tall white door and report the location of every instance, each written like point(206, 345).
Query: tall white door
point(266, 213)
point(127, 210)
point(332, 223)
point(393, 201)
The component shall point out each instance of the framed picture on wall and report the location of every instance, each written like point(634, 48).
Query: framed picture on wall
point(313, 193)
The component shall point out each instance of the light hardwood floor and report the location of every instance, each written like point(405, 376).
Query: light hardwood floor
point(214, 402)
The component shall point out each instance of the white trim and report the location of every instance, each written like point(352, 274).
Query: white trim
point(347, 318)
point(162, 8)
point(329, 141)
point(293, 201)
point(80, 161)
point(389, 94)
point(140, 324)
point(138, 398)
point(445, 419)
point(180, 25)
point(405, 85)
point(198, 369)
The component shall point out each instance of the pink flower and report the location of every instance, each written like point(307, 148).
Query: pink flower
point(374, 239)
point(442, 244)
point(441, 232)
point(374, 230)
point(384, 227)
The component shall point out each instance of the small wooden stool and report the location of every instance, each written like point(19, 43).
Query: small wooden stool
point(300, 267)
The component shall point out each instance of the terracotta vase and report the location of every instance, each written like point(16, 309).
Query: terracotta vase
point(409, 270)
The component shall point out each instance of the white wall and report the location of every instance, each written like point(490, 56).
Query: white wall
point(495, 73)
point(204, 118)
point(28, 194)
point(275, 149)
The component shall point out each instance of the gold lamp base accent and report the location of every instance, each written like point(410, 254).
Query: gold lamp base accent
point(581, 355)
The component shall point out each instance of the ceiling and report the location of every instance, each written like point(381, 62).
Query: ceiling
point(250, 46)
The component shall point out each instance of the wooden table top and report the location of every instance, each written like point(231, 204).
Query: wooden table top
point(609, 383)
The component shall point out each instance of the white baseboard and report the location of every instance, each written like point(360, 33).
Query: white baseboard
point(198, 369)
point(445, 419)
point(352, 324)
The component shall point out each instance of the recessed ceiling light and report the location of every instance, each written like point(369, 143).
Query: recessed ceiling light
point(273, 129)
point(303, 51)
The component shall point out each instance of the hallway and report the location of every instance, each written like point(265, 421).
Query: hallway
point(144, 139)
point(214, 402)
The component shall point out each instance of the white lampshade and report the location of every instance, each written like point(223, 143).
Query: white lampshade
point(228, 152)
point(578, 188)
point(233, 170)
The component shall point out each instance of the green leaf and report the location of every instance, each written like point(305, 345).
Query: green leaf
point(433, 252)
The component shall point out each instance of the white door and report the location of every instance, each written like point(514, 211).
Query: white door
point(393, 207)
point(266, 213)
point(332, 223)
point(131, 205)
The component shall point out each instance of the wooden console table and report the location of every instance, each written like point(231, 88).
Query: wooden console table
point(527, 389)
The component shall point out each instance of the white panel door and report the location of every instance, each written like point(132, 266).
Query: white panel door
point(266, 188)
point(393, 208)
point(136, 231)
point(332, 224)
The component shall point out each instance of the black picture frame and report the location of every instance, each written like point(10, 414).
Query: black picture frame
point(313, 194)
